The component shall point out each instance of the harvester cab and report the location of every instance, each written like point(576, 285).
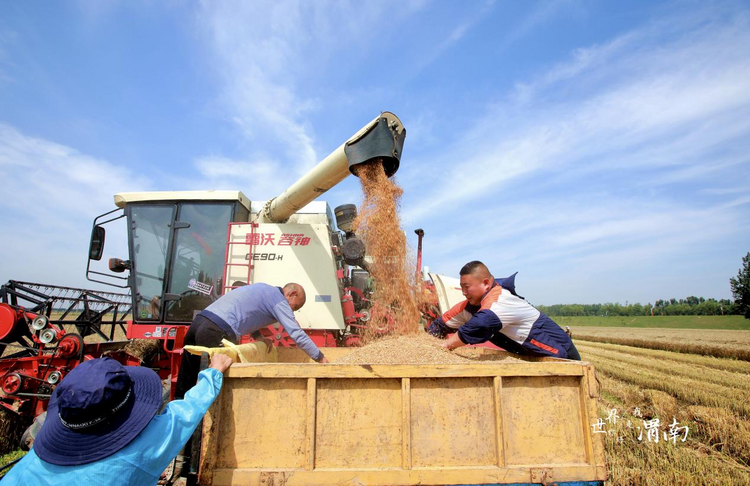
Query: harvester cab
point(187, 248)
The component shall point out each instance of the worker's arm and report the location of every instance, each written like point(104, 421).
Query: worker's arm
point(169, 431)
point(478, 329)
point(285, 317)
point(438, 328)
point(450, 321)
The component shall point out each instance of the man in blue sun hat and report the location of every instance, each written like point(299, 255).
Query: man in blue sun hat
point(102, 426)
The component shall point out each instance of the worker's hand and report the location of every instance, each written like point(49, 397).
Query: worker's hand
point(452, 342)
point(323, 360)
point(268, 343)
point(221, 362)
point(446, 345)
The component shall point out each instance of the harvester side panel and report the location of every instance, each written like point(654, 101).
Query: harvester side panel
point(283, 253)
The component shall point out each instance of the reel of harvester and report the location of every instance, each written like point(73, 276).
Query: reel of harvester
point(41, 338)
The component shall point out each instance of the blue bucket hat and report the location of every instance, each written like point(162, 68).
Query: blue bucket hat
point(97, 410)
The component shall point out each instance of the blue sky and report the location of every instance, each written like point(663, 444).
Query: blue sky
point(600, 149)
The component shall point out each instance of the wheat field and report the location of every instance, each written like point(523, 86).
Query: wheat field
point(705, 398)
point(706, 342)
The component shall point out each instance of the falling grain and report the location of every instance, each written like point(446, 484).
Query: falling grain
point(396, 298)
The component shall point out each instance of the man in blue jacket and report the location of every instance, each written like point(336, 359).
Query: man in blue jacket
point(102, 426)
point(245, 310)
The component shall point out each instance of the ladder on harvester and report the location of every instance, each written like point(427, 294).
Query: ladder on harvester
point(249, 242)
point(276, 333)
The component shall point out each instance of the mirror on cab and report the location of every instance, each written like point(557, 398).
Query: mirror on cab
point(96, 247)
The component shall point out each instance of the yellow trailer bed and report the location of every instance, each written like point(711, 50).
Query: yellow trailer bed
point(296, 422)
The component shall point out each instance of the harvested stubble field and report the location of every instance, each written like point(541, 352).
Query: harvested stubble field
point(719, 343)
point(708, 395)
point(734, 322)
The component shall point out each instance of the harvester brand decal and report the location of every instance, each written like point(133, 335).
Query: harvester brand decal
point(286, 239)
point(200, 286)
point(322, 298)
point(265, 257)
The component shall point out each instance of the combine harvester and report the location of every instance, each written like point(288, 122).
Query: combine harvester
point(296, 422)
point(189, 247)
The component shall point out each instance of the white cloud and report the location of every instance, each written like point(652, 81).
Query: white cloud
point(51, 194)
point(258, 178)
point(269, 53)
point(540, 14)
point(662, 94)
point(726, 190)
point(452, 38)
point(590, 169)
point(255, 47)
point(569, 249)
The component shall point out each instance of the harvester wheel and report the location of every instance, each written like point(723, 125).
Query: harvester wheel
point(70, 345)
point(12, 383)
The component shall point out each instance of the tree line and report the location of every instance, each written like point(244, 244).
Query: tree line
point(690, 306)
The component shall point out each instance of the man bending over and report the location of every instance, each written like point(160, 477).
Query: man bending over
point(494, 312)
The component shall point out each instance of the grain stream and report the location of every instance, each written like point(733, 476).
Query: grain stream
point(396, 299)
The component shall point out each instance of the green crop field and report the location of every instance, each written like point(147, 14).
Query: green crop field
point(8, 458)
point(737, 323)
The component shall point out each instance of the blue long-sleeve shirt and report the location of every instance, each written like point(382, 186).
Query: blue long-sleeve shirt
point(142, 460)
point(252, 307)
